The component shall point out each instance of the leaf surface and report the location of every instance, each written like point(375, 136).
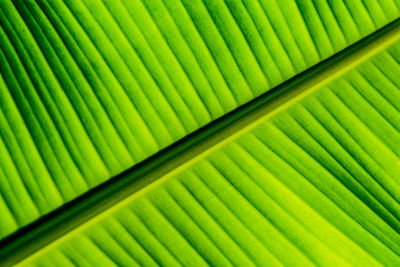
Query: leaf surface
point(92, 88)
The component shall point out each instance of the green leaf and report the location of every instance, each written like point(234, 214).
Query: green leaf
point(308, 176)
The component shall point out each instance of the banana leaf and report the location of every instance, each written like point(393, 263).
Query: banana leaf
point(165, 132)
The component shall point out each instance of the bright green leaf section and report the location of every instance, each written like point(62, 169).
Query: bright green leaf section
point(316, 183)
point(90, 88)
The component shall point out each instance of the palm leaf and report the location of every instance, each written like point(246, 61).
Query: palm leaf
point(307, 174)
